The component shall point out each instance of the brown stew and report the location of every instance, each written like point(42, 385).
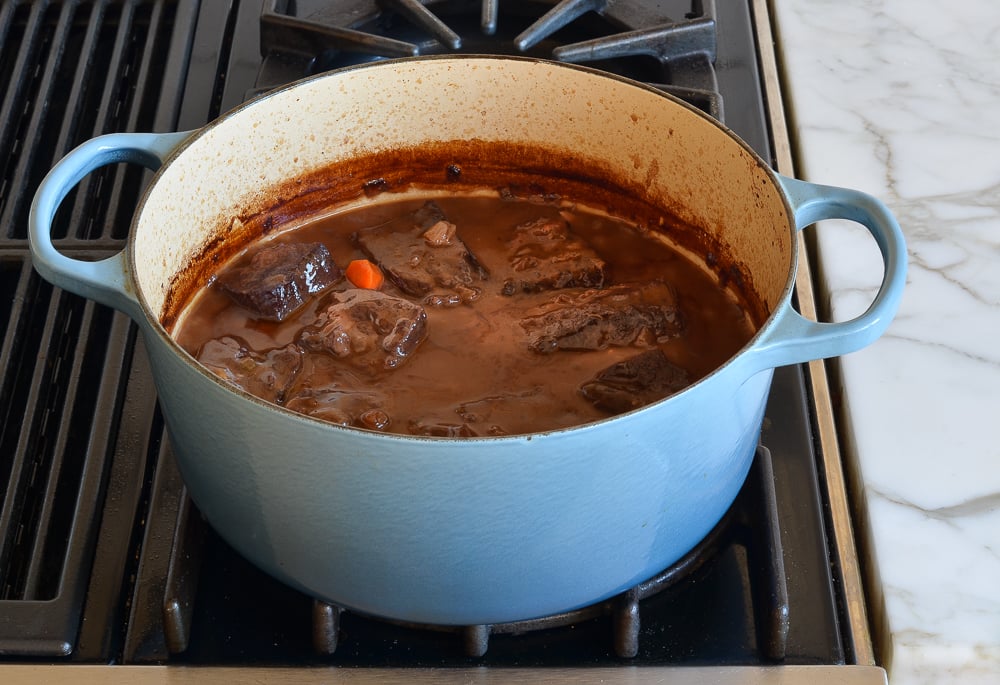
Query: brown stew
point(497, 315)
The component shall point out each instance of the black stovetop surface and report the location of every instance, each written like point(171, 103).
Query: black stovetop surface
point(102, 557)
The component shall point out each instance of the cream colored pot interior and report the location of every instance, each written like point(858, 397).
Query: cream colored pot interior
point(682, 160)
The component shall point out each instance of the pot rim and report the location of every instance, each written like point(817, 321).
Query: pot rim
point(154, 325)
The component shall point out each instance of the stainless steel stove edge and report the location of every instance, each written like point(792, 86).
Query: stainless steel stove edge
point(633, 675)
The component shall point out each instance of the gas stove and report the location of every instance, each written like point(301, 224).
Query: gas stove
point(106, 568)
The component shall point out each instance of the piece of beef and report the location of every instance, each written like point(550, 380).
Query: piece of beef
point(423, 255)
point(276, 279)
point(635, 382)
point(267, 374)
point(371, 329)
point(640, 315)
point(545, 255)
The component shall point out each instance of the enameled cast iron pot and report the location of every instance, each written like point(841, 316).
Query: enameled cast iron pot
point(475, 530)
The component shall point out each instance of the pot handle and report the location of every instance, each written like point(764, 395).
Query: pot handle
point(792, 338)
point(104, 281)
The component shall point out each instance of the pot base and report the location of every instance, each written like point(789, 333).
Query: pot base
point(751, 524)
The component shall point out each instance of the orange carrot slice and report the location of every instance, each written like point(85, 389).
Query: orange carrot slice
point(364, 274)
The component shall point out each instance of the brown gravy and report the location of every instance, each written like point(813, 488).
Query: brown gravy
point(475, 372)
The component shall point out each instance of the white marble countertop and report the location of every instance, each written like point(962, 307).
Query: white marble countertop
point(901, 99)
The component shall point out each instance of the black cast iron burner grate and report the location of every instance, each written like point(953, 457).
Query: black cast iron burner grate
point(626, 37)
point(71, 70)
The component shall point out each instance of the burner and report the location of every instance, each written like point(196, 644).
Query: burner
point(622, 37)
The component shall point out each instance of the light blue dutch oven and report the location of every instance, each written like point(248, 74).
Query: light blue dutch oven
point(476, 530)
